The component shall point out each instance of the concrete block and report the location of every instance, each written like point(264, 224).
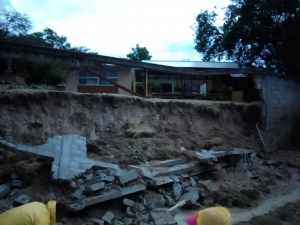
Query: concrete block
point(127, 176)
point(109, 179)
point(78, 194)
point(162, 217)
point(113, 194)
point(57, 149)
point(85, 166)
point(169, 162)
point(193, 182)
point(3, 190)
point(94, 187)
point(82, 138)
point(145, 172)
point(54, 142)
point(94, 180)
point(78, 153)
point(128, 202)
point(21, 200)
point(158, 181)
point(175, 178)
point(108, 217)
point(190, 197)
point(17, 183)
point(206, 157)
point(82, 149)
point(75, 147)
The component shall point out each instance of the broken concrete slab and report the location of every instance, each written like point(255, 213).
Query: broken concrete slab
point(127, 176)
point(109, 179)
point(4, 189)
point(193, 182)
point(206, 157)
point(190, 197)
point(68, 152)
point(113, 194)
point(239, 151)
point(21, 200)
point(145, 172)
point(94, 187)
point(158, 181)
point(128, 202)
point(176, 170)
point(98, 222)
point(162, 217)
point(169, 162)
point(78, 194)
point(108, 217)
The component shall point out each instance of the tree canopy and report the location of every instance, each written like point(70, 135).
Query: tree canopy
point(255, 33)
point(16, 27)
point(139, 53)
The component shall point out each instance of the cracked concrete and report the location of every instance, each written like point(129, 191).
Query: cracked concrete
point(68, 152)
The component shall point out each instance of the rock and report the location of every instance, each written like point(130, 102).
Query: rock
point(108, 217)
point(98, 222)
point(109, 179)
point(17, 183)
point(193, 182)
point(117, 222)
point(162, 217)
point(141, 207)
point(127, 176)
point(177, 191)
point(21, 200)
point(78, 194)
point(151, 205)
point(190, 197)
point(129, 212)
point(128, 202)
point(89, 176)
point(94, 187)
point(15, 191)
point(205, 184)
point(14, 176)
point(182, 149)
point(170, 201)
point(4, 189)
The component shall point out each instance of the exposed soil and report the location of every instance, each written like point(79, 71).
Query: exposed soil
point(158, 129)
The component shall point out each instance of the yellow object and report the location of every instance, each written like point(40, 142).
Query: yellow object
point(214, 216)
point(34, 213)
point(237, 96)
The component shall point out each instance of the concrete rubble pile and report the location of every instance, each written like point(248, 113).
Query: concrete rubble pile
point(159, 184)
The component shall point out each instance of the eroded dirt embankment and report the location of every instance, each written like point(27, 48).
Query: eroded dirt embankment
point(111, 123)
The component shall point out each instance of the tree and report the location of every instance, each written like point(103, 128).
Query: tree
point(256, 33)
point(13, 23)
point(139, 53)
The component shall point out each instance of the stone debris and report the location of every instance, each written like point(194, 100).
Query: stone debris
point(21, 200)
point(190, 197)
point(162, 217)
point(108, 217)
point(127, 176)
point(177, 191)
point(4, 189)
point(94, 187)
point(128, 202)
point(98, 222)
point(78, 194)
point(17, 183)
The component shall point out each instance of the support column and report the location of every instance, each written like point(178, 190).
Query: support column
point(146, 83)
point(173, 88)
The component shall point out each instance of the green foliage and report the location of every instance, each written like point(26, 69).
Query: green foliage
point(15, 27)
point(256, 33)
point(13, 23)
point(139, 53)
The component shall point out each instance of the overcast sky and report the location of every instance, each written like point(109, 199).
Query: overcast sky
point(112, 27)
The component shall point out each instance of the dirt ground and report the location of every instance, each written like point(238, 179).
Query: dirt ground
point(156, 129)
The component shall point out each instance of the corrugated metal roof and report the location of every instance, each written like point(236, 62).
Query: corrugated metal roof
point(195, 64)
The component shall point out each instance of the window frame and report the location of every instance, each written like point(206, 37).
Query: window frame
point(112, 74)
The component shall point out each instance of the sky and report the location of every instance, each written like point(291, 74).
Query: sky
point(113, 27)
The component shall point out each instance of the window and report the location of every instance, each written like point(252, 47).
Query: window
point(86, 78)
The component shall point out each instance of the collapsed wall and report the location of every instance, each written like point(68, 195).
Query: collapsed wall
point(158, 128)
